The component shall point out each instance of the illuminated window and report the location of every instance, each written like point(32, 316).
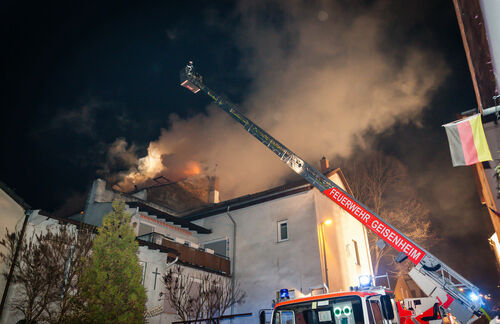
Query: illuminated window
point(282, 230)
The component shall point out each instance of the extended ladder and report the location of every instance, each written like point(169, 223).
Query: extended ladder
point(454, 293)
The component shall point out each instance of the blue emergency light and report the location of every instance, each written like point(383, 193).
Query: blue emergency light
point(473, 296)
point(284, 294)
point(365, 280)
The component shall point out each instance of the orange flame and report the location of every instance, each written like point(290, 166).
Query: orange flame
point(152, 166)
point(192, 168)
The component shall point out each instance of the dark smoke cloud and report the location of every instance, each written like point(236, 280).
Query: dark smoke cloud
point(121, 159)
point(322, 75)
point(456, 214)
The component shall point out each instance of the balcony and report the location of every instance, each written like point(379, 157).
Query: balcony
point(189, 255)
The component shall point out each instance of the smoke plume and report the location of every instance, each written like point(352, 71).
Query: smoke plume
point(322, 75)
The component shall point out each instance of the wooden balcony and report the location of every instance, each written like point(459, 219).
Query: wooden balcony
point(191, 256)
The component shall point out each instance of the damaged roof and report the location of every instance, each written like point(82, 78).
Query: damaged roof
point(181, 196)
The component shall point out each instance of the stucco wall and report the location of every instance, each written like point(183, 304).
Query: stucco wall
point(11, 218)
point(155, 267)
point(262, 264)
point(154, 260)
point(491, 12)
point(36, 224)
point(343, 270)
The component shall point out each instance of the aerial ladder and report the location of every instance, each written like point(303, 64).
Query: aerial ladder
point(454, 293)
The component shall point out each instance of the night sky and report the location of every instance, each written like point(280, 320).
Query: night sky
point(81, 81)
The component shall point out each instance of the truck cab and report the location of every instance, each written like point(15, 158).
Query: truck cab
point(374, 306)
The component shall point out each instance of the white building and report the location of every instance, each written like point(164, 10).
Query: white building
point(266, 241)
point(155, 256)
point(279, 239)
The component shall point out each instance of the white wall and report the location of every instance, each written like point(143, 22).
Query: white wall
point(160, 312)
point(11, 218)
point(343, 271)
point(491, 12)
point(153, 258)
point(154, 262)
point(263, 265)
point(36, 224)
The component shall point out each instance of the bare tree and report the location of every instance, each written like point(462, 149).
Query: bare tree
point(220, 296)
point(206, 296)
point(382, 183)
point(46, 272)
point(373, 176)
point(179, 290)
point(412, 218)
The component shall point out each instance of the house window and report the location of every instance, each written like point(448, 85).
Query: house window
point(282, 230)
point(220, 247)
point(356, 252)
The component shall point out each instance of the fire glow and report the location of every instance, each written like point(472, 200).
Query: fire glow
point(154, 166)
point(192, 168)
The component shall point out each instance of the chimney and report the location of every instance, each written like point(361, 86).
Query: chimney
point(213, 193)
point(324, 165)
point(99, 189)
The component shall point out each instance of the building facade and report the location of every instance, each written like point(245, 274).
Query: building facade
point(289, 237)
point(281, 239)
point(479, 27)
point(12, 216)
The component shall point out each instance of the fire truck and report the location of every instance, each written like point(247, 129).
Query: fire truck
point(363, 304)
point(453, 293)
point(344, 307)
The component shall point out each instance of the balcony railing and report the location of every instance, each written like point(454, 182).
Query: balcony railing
point(189, 255)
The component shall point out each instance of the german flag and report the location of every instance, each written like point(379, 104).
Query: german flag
point(467, 141)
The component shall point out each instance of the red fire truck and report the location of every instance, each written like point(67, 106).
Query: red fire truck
point(373, 305)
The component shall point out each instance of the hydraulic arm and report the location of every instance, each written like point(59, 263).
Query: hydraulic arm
point(454, 293)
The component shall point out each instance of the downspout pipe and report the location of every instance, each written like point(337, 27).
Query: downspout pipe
point(324, 256)
point(172, 263)
point(27, 214)
point(234, 256)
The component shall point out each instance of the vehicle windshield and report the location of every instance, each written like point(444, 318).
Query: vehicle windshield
point(340, 310)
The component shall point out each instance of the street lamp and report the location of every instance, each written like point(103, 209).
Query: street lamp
point(325, 222)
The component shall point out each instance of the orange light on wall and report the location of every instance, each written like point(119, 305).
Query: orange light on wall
point(325, 222)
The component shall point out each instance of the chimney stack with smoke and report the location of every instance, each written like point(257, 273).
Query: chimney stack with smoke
point(324, 164)
point(213, 194)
